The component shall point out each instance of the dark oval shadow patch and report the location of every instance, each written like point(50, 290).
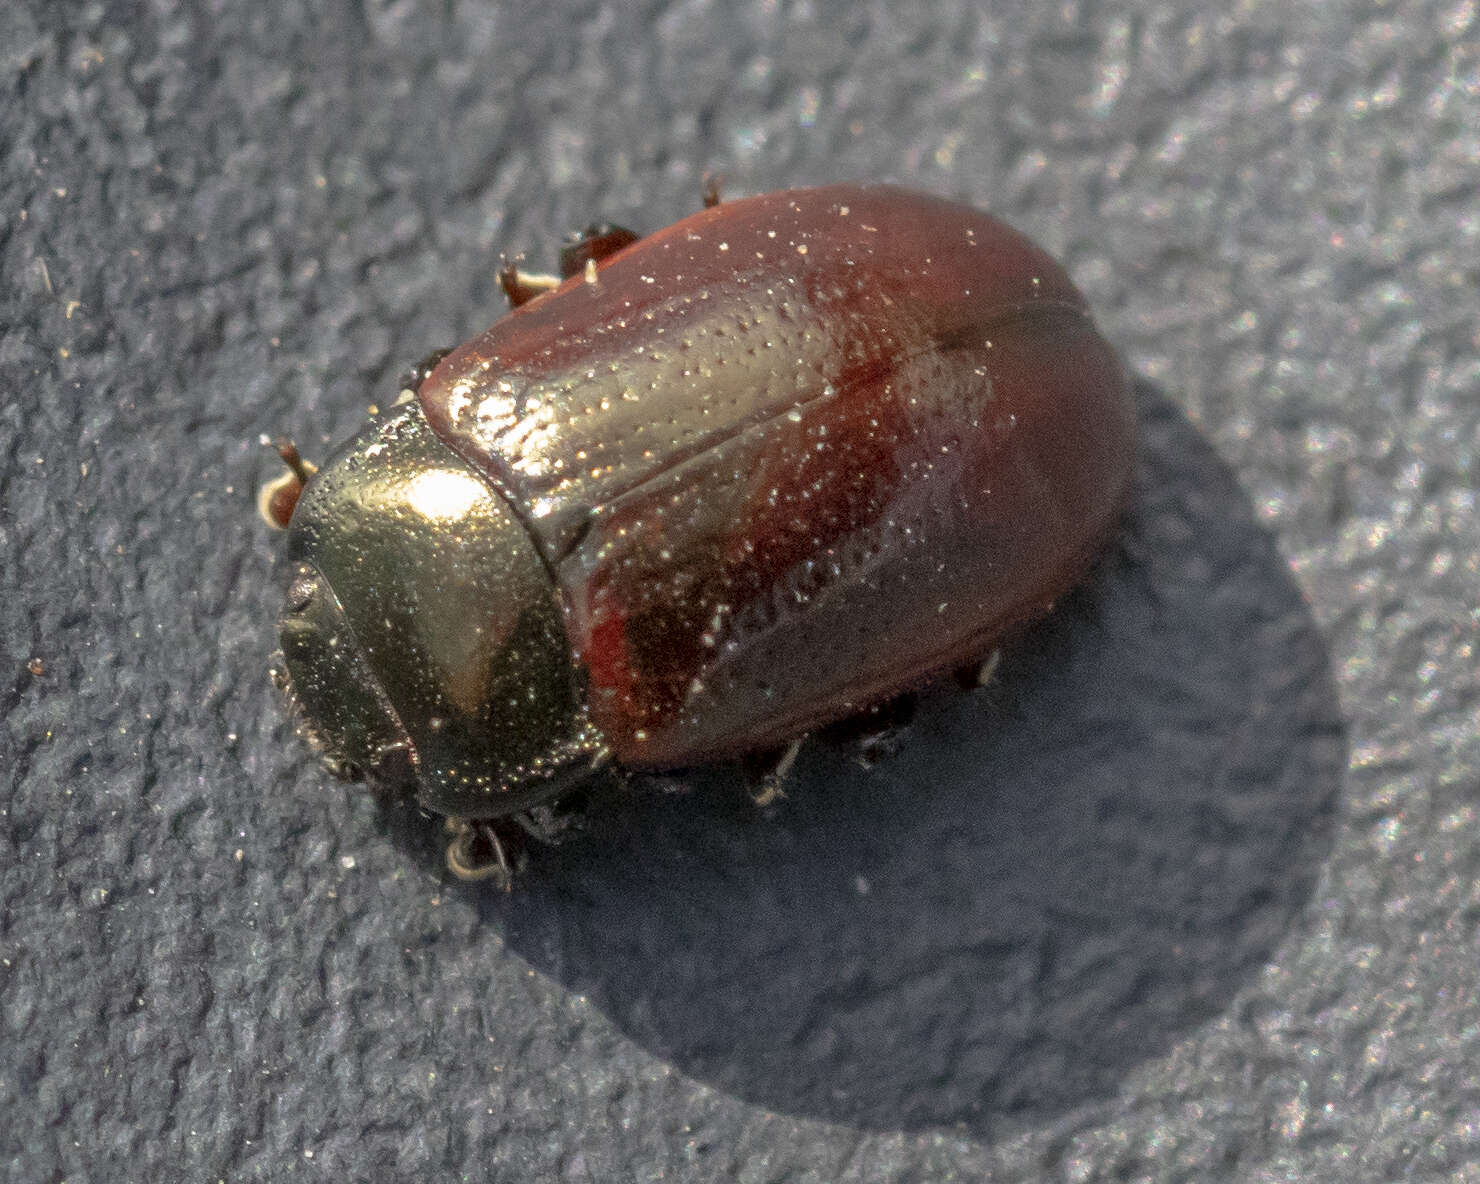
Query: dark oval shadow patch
point(1057, 878)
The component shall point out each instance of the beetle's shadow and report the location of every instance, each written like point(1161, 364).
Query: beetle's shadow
point(1057, 878)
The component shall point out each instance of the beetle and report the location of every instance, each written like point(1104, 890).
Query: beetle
point(777, 464)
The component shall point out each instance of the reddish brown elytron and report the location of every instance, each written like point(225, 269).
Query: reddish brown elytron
point(793, 455)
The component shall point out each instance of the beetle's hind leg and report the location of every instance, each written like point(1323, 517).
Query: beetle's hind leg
point(583, 249)
point(477, 853)
point(978, 674)
point(876, 734)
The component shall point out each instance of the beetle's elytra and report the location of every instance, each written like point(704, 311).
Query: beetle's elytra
point(777, 463)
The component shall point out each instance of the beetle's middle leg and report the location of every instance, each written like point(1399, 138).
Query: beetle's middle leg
point(597, 242)
point(580, 252)
point(549, 824)
point(522, 286)
point(767, 772)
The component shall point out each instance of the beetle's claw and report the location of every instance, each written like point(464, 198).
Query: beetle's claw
point(476, 853)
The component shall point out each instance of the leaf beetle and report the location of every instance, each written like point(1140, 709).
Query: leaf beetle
point(710, 490)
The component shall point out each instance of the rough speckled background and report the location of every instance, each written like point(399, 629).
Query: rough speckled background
point(1189, 893)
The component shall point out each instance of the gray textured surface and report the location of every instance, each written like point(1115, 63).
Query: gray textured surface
point(1188, 894)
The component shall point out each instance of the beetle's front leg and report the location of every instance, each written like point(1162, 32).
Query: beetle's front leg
point(477, 853)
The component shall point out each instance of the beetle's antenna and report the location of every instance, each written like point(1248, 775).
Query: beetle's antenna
point(289, 452)
point(277, 498)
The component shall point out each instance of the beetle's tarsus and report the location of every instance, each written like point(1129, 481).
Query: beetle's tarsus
point(978, 674)
point(709, 190)
point(769, 771)
point(476, 853)
point(523, 286)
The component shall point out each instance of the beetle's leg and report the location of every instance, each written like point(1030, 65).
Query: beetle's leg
point(592, 245)
point(523, 286)
point(549, 825)
point(476, 852)
point(709, 190)
point(876, 734)
point(767, 772)
point(412, 379)
point(649, 781)
point(276, 499)
point(978, 674)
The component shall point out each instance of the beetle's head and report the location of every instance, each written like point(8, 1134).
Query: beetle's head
point(422, 640)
